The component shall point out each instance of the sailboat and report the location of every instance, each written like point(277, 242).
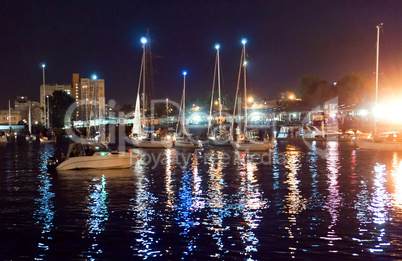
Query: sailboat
point(4, 135)
point(10, 135)
point(30, 136)
point(182, 139)
point(243, 141)
point(386, 141)
point(217, 136)
point(139, 137)
point(49, 138)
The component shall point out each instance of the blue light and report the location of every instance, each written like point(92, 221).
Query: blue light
point(217, 46)
point(144, 40)
point(184, 73)
point(94, 77)
point(43, 65)
point(244, 41)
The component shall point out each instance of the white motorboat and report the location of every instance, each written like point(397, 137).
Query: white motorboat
point(245, 141)
point(387, 141)
point(94, 155)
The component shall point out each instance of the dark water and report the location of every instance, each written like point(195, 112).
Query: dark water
point(325, 201)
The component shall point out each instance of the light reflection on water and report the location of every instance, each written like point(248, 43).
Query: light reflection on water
point(199, 205)
point(334, 199)
point(251, 204)
point(142, 205)
point(97, 214)
point(216, 200)
point(45, 211)
point(294, 201)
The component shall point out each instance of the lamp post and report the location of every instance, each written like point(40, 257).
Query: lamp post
point(48, 111)
point(167, 114)
point(44, 94)
point(95, 99)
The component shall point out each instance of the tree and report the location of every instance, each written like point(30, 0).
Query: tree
point(59, 103)
point(205, 101)
point(355, 89)
point(314, 91)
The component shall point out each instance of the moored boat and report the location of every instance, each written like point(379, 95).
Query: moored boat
point(244, 140)
point(387, 141)
point(93, 155)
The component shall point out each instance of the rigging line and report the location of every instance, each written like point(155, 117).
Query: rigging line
point(180, 113)
point(212, 97)
point(237, 92)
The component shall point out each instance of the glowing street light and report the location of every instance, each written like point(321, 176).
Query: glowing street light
point(244, 41)
point(94, 77)
point(250, 99)
point(184, 73)
point(144, 40)
point(217, 46)
point(44, 94)
point(167, 113)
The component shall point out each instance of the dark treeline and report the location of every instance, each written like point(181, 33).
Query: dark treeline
point(351, 89)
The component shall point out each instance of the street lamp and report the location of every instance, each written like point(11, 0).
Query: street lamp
point(48, 111)
point(167, 114)
point(96, 96)
point(44, 95)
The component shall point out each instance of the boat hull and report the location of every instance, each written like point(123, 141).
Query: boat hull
point(218, 142)
point(109, 161)
point(251, 145)
point(381, 146)
point(158, 144)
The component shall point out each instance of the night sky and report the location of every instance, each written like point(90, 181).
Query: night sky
point(286, 40)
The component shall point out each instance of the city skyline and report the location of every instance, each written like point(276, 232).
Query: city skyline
point(286, 40)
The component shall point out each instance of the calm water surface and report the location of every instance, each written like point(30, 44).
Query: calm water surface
point(322, 201)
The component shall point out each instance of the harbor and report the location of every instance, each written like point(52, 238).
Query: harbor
point(215, 203)
point(201, 130)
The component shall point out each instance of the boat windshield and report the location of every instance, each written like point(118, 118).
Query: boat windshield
point(89, 149)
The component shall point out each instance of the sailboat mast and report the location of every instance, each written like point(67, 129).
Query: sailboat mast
point(184, 102)
point(376, 73)
point(219, 87)
point(244, 41)
point(212, 94)
point(377, 58)
point(144, 41)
